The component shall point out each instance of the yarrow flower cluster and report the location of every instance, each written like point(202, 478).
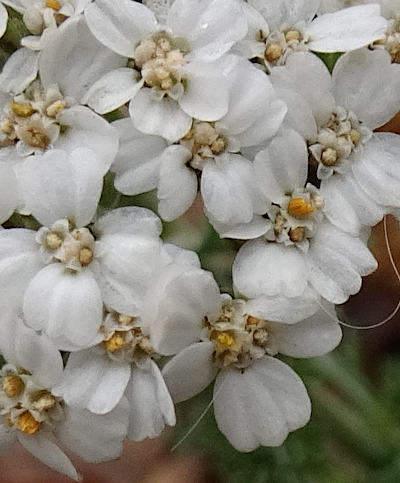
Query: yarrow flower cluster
point(104, 326)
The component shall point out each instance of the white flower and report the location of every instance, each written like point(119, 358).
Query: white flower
point(258, 399)
point(300, 247)
point(33, 415)
point(8, 190)
point(210, 150)
point(277, 29)
point(42, 17)
point(159, 7)
point(67, 269)
point(175, 71)
point(178, 297)
point(360, 170)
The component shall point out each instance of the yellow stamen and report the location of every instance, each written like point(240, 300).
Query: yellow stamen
point(38, 139)
point(117, 341)
point(53, 241)
point(355, 136)
point(225, 339)
point(85, 256)
point(299, 207)
point(297, 234)
point(292, 35)
point(252, 320)
point(21, 109)
point(13, 386)
point(273, 52)
point(28, 424)
point(54, 4)
point(125, 319)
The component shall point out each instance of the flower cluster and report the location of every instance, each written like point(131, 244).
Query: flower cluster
point(104, 326)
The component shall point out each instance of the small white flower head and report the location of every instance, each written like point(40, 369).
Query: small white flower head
point(238, 348)
point(337, 116)
point(80, 266)
point(175, 71)
point(32, 415)
point(40, 119)
point(32, 118)
point(278, 30)
point(209, 150)
point(299, 247)
point(42, 17)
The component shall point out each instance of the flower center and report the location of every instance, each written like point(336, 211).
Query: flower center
point(124, 341)
point(391, 42)
point(72, 247)
point(279, 44)
point(23, 405)
point(336, 141)
point(204, 141)
point(238, 338)
point(31, 117)
point(160, 58)
point(297, 217)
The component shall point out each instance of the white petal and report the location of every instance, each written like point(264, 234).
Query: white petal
point(377, 168)
point(19, 263)
point(19, 71)
point(159, 117)
point(312, 337)
point(208, 26)
point(8, 191)
point(282, 166)
point(93, 381)
point(65, 306)
point(263, 268)
point(113, 90)
point(137, 162)
point(300, 116)
point(119, 25)
point(126, 263)
point(336, 261)
point(151, 404)
point(87, 129)
point(226, 187)
point(307, 75)
point(177, 187)
point(284, 309)
point(288, 12)
point(129, 220)
point(331, 32)
point(260, 405)
point(184, 297)
point(357, 85)
point(94, 437)
point(257, 227)
point(3, 20)
point(347, 206)
point(206, 95)
point(59, 186)
point(37, 354)
point(49, 454)
point(7, 438)
point(84, 59)
point(190, 371)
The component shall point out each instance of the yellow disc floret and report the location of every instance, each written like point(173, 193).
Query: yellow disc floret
point(13, 386)
point(28, 424)
point(115, 342)
point(54, 4)
point(299, 207)
point(21, 109)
